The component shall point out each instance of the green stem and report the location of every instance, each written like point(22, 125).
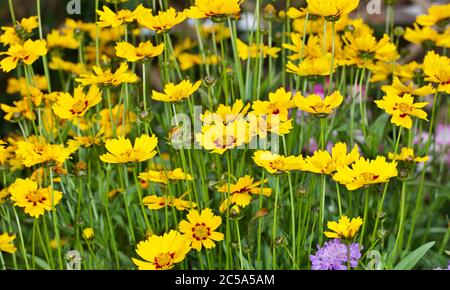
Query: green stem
point(274, 227)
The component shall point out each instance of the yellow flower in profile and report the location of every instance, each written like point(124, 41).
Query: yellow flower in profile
point(9, 36)
point(164, 176)
point(19, 85)
point(332, 10)
point(254, 50)
point(366, 172)
point(399, 89)
point(263, 125)
point(6, 243)
point(240, 193)
point(364, 49)
point(68, 107)
point(407, 155)
point(325, 163)
point(20, 109)
point(199, 229)
point(144, 52)
point(437, 15)
point(278, 104)
point(88, 233)
point(345, 229)
point(161, 252)
point(107, 78)
point(314, 104)
point(123, 16)
point(27, 53)
point(422, 36)
point(437, 70)
point(62, 39)
point(25, 25)
point(312, 66)
point(34, 199)
point(120, 150)
point(176, 93)
point(57, 63)
point(226, 114)
point(163, 21)
point(402, 108)
point(156, 202)
point(275, 163)
point(37, 151)
point(214, 8)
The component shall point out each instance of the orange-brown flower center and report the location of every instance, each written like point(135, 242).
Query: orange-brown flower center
point(78, 107)
point(164, 260)
point(369, 177)
point(404, 109)
point(36, 196)
point(201, 231)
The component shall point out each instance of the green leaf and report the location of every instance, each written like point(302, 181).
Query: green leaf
point(376, 132)
point(41, 263)
point(414, 257)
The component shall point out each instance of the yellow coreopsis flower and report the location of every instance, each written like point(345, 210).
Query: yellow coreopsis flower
point(325, 163)
point(314, 104)
point(161, 252)
point(20, 109)
point(225, 114)
point(122, 121)
point(156, 202)
point(217, 9)
point(144, 52)
point(164, 176)
point(20, 85)
point(407, 155)
point(366, 172)
point(199, 229)
point(4, 195)
point(120, 150)
point(88, 233)
point(27, 53)
point(263, 125)
point(11, 34)
point(332, 10)
point(36, 151)
point(6, 243)
point(278, 104)
point(107, 78)
point(254, 50)
point(437, 70)
point(401, 108)
point(68, 107)
point(422, 36)
point(344, 229)
point(275, 163)
point(362, 50)
point(399, 89)
point(163, 21)
point(123, 16)
point(312, 66)
point(176, 93)
point(437, 15)
point(62, 39)
point(57, 63)
point(240, 193)
point(34, 199)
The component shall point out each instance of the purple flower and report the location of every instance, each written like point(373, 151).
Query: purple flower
point(334, 256)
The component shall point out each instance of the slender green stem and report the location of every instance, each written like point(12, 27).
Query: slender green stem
point(274, 224)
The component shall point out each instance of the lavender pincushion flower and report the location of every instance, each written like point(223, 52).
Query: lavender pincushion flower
point(334, 256)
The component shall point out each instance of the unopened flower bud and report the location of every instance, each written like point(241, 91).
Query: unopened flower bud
point(80, 169)
point(209, 81)
point(399, 31)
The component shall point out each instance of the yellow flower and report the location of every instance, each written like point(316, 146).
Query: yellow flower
point(88, 233)
point(9, 36)
point(278, 105)
point(437, 70)
point(332, 10)
point(27, 53)
point(262, 125)
point(161, 252)
point(311, 66)
point(164, 21)
point(122, 119)
point(156, 202)
point(57, 63)
point(437, 15)
point(176, 93)
point(6, 243)
point(314, 104)
point(326, 163)
point(123, 16)
point(225, 114)
point(20, 109)
point(4, 195)
point(199, 229)
point(214, 8)
point(407, 154)
point(24, 26)
point(37, 151)
point(363, 49)
point(240, 193)
point(399, 89)
point(422, 36)
point(145, 51)
point(121, 150)
point(401, 108)
point(107, 78)
point(20, 85)
point(255, 51)
point(68, 107)
point(275, 163)
point(344, 229)
point(366, 172)
point(36, 200)
point(60, 39)
point(164, 176)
